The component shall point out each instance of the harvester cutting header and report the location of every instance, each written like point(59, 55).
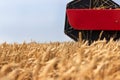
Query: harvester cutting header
point(91, 18)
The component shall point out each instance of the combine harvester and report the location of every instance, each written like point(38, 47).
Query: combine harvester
point(93, 18)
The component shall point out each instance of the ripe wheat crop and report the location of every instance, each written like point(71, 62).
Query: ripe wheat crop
point(60, 61)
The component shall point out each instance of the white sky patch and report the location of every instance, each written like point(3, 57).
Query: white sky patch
point(117, 1)
point(39, 20)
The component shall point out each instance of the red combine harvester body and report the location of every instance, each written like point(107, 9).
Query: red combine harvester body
point(82, 19)
point(91, 17)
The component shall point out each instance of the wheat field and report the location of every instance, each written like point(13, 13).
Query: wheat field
point(60, 61)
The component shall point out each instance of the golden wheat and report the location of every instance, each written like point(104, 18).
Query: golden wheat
point(60, 61)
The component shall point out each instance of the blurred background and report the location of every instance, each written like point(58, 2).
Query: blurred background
point(33, 20)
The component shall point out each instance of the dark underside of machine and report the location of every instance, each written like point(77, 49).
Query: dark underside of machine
point(91, 35)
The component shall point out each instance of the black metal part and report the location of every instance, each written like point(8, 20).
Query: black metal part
point(90, 35)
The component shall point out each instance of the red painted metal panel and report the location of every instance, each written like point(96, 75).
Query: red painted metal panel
point(90, 19)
